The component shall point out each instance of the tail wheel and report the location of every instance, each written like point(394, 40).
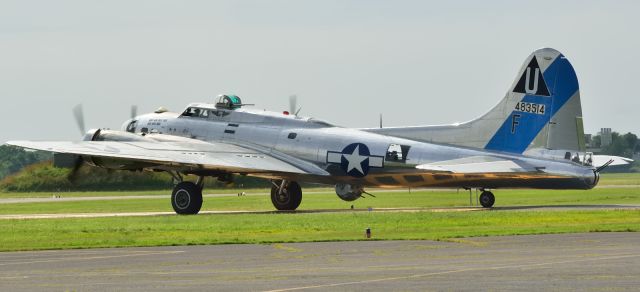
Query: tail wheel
point(487, 199)
point(186, 198)
point(287, 199)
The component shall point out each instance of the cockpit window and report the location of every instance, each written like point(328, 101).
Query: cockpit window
point(189, 112)
point(196, 112)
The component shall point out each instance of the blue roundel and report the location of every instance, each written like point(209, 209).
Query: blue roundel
point(355, 160)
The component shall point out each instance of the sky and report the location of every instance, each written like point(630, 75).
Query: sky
point(415, 62)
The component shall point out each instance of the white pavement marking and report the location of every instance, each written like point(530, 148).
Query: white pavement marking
point(104, 198)
point(377, 210)
point(168, 195)
point(92, 258)
point(102, 215)
point(453, 272)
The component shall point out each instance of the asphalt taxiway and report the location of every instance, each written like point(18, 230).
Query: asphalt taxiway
point(593, 261)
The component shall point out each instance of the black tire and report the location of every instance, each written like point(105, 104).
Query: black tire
point(289, 199)
point(186, 198)
point(487, 199)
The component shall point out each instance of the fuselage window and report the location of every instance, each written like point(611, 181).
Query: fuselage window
point(397, 152)
point(204, 113)
point(219, 113)
point(292, 135)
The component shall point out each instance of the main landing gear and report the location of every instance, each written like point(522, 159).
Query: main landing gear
point(487, 199)
point(285, 195)
point(186, 197)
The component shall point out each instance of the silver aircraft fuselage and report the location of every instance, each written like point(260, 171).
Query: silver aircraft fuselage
point(533, 138)
point(354, 156)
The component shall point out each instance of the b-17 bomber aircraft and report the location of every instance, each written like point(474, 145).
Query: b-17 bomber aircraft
point(533, 138)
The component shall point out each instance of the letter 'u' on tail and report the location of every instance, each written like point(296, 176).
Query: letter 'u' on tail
point(542, 109)
point(540, 114)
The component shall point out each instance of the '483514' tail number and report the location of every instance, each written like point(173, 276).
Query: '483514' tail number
point(527, 107)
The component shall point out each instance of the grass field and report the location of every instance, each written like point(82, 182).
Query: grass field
point(30, 234)
point(619, 179)
point(269, 228)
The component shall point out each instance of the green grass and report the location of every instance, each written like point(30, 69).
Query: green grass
point(396, 199)
point(268, 228)
point(37, 234)
point(619, 179)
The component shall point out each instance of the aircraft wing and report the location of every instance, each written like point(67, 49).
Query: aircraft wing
point(184, 155)
point(480, 164)
point(599, 160)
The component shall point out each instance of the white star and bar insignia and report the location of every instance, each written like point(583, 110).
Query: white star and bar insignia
point(355, 159)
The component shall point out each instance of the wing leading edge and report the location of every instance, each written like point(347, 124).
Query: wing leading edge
point(202, 155)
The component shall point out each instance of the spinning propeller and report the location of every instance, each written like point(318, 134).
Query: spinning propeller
point(78, 114)
point(293, 105)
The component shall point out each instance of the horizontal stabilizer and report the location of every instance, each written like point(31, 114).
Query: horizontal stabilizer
point(479, 164)
point(600, 160)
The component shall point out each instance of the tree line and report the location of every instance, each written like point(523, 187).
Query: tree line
point(14, 159)
point(621, 145)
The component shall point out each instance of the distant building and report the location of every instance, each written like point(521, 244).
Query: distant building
point(605, 137)
point(588, 140)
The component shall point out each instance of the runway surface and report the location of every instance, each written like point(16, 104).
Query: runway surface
point(594, 261)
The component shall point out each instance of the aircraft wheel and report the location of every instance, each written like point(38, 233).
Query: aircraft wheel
point(289, 199)
point(186, 198)
point(487, 199)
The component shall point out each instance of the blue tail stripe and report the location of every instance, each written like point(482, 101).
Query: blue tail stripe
point(520, 128)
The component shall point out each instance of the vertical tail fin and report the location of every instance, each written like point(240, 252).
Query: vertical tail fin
point(541, 110)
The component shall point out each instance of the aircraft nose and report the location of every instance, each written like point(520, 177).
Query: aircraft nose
point(591, 177)
point(125, 124)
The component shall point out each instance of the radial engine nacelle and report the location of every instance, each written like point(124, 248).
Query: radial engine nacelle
point(70, 160)
point(110, 135)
